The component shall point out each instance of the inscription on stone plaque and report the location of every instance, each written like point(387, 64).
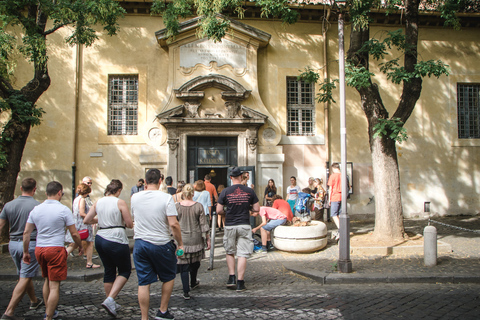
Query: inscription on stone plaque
point(204, 51)
point(212, 156)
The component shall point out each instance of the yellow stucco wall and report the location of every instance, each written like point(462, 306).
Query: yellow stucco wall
point(434, 165)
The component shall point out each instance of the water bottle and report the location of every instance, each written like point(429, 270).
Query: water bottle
point(180, 252)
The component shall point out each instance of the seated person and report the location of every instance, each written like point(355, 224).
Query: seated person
point(275, 218)
point(283, 206)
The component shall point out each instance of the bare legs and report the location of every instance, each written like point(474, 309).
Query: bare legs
point(88, 246)
point(241, 266)
point(24, 285)
point(265, 236)
point(51, 293)
point(113, 288)
point(144, 298)
point(337, 221)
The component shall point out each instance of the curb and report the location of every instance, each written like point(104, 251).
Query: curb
point(354, 278)
point(76, 276)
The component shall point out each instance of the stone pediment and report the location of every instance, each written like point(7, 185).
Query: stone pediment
point(213, 87)
point(192, 93)
point(262, 37)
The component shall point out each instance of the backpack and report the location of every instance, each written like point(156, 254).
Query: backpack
point(302, 205)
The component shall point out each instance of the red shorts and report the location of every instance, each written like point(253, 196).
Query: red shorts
point(53, 262)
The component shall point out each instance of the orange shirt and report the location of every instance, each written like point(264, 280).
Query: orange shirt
point(211, 189)
point(335, 183)
point(283, 207)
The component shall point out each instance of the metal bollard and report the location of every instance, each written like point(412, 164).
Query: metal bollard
point(212, 240)
point(430, 246)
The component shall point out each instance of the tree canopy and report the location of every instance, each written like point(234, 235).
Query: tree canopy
point(25, 26)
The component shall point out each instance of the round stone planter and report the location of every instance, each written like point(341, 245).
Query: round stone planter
point(301, 239)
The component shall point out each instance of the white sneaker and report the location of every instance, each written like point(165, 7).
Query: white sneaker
point(110, 305)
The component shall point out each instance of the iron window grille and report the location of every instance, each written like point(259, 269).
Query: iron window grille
point(468, 109)
point(300, 108)
point(122, 104)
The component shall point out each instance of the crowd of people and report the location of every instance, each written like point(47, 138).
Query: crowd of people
point(171, 232)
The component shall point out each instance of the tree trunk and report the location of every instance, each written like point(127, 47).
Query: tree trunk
point(14, 152)
point(388, 200)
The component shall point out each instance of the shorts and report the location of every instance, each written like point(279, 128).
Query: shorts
point(154, 261)
point(272, 224)
point(238, 240)
point(115, 256)
point(335, 208)
point(15, 247)
point(53, 262)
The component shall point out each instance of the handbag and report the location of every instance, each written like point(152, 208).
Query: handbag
point(83, 234)
point(326, 204)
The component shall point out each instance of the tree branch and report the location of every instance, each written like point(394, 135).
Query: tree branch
point(5, 87)
point(55, 28)
point(413, 87)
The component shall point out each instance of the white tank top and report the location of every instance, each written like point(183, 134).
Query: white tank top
point(109, 215)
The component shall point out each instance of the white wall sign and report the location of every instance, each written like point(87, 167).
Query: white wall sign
point(204, 51)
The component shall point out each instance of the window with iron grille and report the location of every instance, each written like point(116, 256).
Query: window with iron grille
point(122, 104)
point(468, 109)
point(300, 108)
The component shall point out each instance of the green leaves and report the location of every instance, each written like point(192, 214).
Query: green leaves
point(308, 75)
point(357, 76)
point(390, 128)
point(278, 9)
point(431, 68)
point(397, 73)
point(325, 93)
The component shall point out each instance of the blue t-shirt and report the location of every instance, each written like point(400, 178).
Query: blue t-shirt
point(237, 201)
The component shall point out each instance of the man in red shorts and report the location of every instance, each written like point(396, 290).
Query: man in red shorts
point(50, 219)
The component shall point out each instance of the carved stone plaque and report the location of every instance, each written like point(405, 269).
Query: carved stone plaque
point(204, 51)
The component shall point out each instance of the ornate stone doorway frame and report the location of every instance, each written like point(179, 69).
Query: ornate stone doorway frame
point(235, 120)
point(178, 131)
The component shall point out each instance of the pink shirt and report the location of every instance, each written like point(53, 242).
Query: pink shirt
point(271, 213)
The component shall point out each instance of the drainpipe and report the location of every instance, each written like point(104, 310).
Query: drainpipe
point(78, 66)
point(326, 105)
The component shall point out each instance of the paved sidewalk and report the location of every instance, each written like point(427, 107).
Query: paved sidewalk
point(460, 266)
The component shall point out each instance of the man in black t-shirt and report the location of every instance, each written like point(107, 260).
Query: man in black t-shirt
point(170, 189)
point(236, 202)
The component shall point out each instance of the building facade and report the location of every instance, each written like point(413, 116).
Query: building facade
point(190, 106)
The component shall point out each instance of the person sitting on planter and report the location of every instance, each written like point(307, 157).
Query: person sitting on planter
point(275, 218)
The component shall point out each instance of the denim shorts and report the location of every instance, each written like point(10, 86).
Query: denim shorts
point(335, 208)
point(272, 224)
point(24, 270)
point(238, 240)
point(153, 261)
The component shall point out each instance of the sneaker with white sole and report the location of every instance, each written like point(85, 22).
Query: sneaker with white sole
point(166, 315)
point(110, 305)
point(186, 296)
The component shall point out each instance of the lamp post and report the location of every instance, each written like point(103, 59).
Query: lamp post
point(344, 263)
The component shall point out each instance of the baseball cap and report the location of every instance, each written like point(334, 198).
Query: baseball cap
point(236, 172)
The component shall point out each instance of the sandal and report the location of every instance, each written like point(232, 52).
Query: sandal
point(93, 266)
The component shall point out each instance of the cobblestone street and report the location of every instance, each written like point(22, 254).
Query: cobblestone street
point(305, 300)
point(276, 293)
